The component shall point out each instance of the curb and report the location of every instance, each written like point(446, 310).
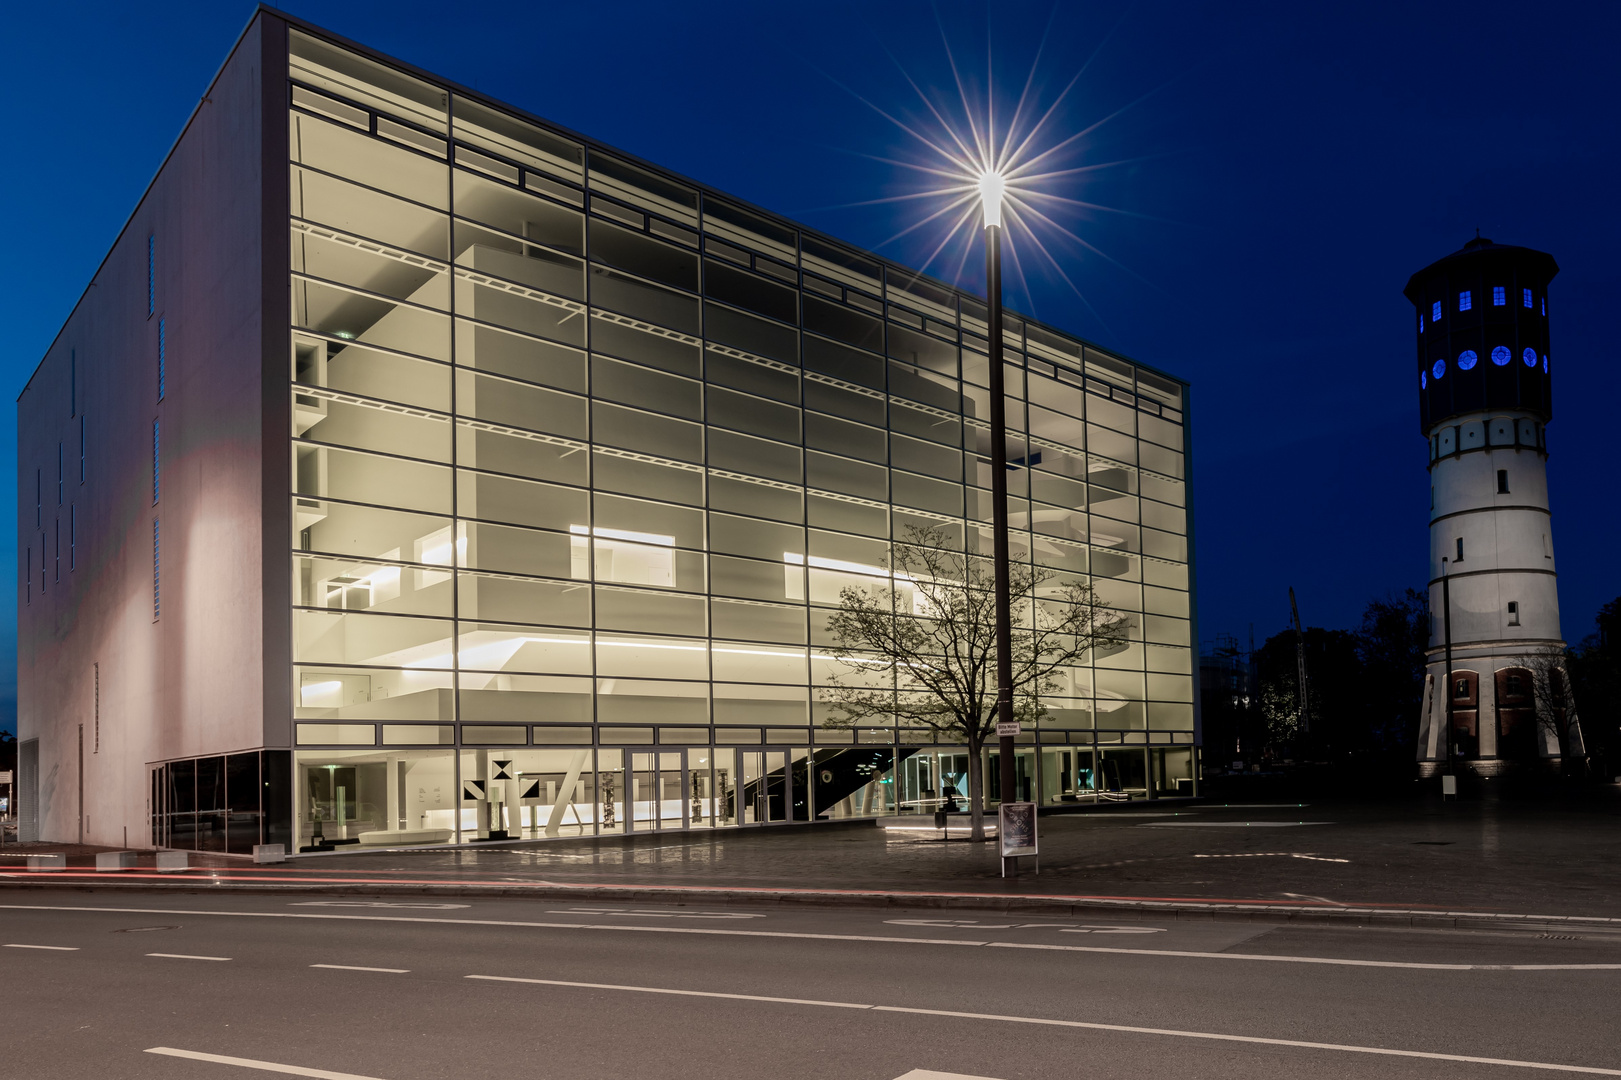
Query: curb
point(1180, 909)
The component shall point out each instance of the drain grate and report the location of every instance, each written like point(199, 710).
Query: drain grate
point(1558, 937)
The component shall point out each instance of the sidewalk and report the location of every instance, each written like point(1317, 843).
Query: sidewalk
point(1417, 860)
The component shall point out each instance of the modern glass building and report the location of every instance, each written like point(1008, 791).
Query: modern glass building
point(445, 475)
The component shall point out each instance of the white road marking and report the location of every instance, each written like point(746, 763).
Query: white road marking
point(376, 904)
point(351, 967)
point(1087, 1025)
point(262, 1066)
point(1116, 930)
point(655, 914)
point(633, 928)
point(52, 948)
point(185, 956)
point(1228, 824)
point(930, 1074)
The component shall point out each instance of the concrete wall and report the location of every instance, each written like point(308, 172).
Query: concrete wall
point(193, 680)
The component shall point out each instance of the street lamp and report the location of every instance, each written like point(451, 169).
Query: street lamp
point(991, 187)
point(1446, 628)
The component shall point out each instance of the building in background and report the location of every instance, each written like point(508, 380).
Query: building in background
point(1485, 400)
point(416, 472)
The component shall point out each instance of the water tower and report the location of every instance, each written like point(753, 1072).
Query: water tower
point(1485, 399)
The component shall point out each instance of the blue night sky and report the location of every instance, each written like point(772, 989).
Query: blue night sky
point(1286, 168)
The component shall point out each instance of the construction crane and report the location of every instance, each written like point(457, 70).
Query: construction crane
point(1300, 661)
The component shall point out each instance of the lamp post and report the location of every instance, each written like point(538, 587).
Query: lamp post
point(991, 185)
point(1446, 629)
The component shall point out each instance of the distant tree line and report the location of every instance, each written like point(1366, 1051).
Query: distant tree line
point(1365, 692)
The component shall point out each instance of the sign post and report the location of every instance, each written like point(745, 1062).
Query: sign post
point(1016, 834)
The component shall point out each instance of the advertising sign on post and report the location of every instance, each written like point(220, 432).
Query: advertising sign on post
point(1016, 832)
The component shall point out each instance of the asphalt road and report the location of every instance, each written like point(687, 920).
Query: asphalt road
point(199, 987)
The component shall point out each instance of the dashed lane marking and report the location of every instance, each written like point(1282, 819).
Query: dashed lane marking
point(52, 948)
point(351, 967)
point(251, 1063)
point(186, 956)
point(1347, 1048)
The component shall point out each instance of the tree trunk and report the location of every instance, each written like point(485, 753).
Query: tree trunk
point(976, 791)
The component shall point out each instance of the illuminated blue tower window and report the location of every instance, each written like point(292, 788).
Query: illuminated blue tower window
point(1529, 356)
point(1545, 305)
point(1501, 355)
point(1499, 296)
point(1465, 301)
point(1466, 360)
point(1421, 322)
point(1435, 312)
point(1439, 369)
point(1545, 365)
point(1528, 298)
point(1423, 380)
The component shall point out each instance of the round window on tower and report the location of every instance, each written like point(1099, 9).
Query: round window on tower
point(1439, 369)
point(1529, 356)
point(1466, 360)
point(1501, 355)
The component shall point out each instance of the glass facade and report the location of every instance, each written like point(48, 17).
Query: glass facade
point(582, 456)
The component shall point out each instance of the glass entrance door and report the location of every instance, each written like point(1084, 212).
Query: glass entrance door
point(658, 786)
point(763, 792)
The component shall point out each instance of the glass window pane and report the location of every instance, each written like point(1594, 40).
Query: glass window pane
point(324, 472)
point(739, 661)
point(751, 334)
point(643, 256)
point(647, 522)
point(653, 657)
point(758, 579)
point(331, 637)
point(548, 699)
point(643, 300)
point(349, 315)
point(645, 388)
point(360, 211)
point(848, 515)
point(513, 599)
point(386, 271)
point(751, 376)
point(505, 352)
point(650, 345)
point(757, 705)
point(522, 453)
point(536, 649)
point(734, 285)
point(843, 437)
point(338, 693)
point(519, 307)
point(512, 259)
point(647, 701)
point(661, 436)
point(516, 551)
point(516, 140)
point(617, 470)
point(758, 497)
point(645, 609)
point(357, 369)
point(325, 417)
point(348, 585)
point(359, 79)
point(845, 476)
point(754, 415)
point(361, 531)
point(755, 621)
point(520, 502)
point(734, 452)
point(518, 213)
point(520, 405)
point(343, 151)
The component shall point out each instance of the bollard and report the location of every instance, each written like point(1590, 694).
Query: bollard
point(269, 853)
point(48, 862)
point(115, 860)
point(170, 861)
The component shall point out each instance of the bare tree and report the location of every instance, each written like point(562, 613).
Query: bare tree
point(1556, 708)
point(922, 646)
